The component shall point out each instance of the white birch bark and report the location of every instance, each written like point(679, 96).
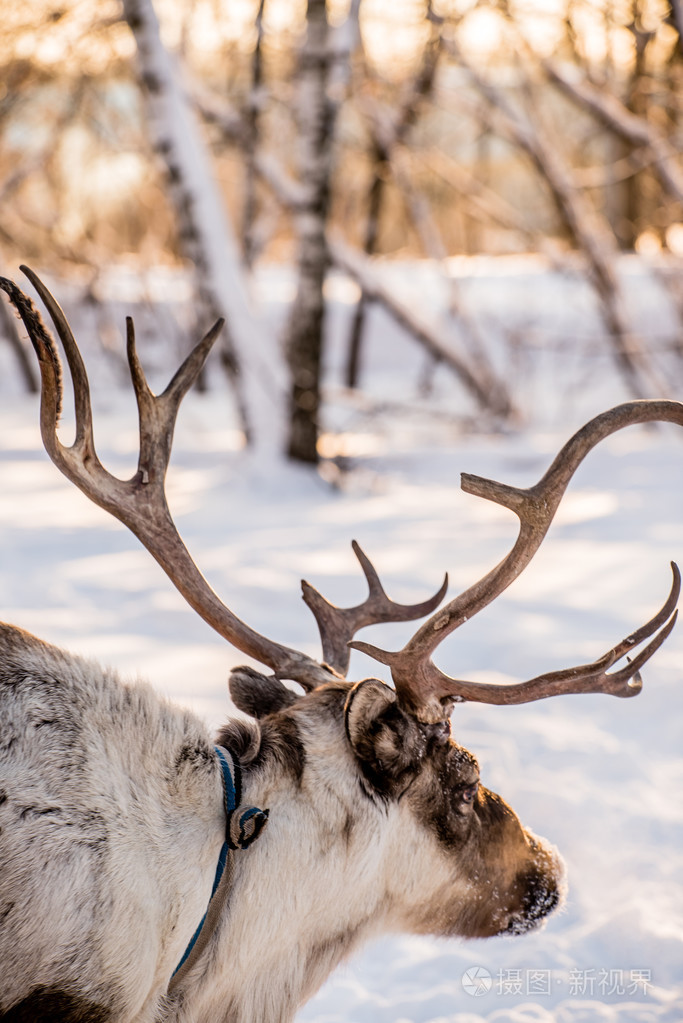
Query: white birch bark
point(251, 141)
point(206, 235)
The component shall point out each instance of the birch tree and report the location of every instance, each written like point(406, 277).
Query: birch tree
point(386, 134)
point(421, 130)
point(587, 227)
point(304, 333)
point(250, 133)
point(205, 234)
point(633, 128)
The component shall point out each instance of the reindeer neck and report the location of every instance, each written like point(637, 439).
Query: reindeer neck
point(304, 897)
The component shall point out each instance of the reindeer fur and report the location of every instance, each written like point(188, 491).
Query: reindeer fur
point(111, 821)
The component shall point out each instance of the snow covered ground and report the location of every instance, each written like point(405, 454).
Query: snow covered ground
point(599, 777)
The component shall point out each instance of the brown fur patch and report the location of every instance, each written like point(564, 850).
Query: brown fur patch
point(258, 695)
point(50, 1004)
point(388, 743)
point(438, 796)
point(511, 880)
point(275, 739)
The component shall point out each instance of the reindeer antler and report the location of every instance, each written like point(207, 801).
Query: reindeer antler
point(338, 625)
point(140, 503)
point(427, 691)
point(422, 688)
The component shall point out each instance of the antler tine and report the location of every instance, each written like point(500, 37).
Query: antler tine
point(140, 503)
point(338, 625)
point(421, 686)
point(157, 414)
point(48, 360)
point(51, 392)
point(585, 678)
point(84, 442)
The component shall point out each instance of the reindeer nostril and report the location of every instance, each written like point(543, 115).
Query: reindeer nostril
point(541, 901)
point(541, 894)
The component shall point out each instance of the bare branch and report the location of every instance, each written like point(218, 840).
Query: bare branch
point(358, 267)
point(388, 130)
point(677, 11)
point(615, 115)
point(473, 342)
point(587, 227)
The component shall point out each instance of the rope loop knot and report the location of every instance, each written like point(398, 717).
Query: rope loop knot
point(245, 824)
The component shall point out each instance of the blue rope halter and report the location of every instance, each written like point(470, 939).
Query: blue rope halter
point(243, 826)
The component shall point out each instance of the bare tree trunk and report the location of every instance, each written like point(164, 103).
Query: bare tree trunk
point(359, 269)
point(481, 370)
point(677, 19)
point(251, 132)
point(635, 102)
point(586, 227)
point(634, 128)
point(304, 334)
point(206, 237)
point(383, 142)
point(375, 194)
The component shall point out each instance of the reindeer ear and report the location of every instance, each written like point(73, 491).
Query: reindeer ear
point(256, 694)
point(387, 742)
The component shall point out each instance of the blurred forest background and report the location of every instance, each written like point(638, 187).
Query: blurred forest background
point(202, 141)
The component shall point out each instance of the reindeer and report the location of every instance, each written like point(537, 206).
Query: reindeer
point(138, 879)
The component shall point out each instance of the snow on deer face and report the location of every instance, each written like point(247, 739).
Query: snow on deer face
point(455, 859)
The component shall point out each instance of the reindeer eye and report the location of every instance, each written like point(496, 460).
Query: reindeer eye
point(469, 794)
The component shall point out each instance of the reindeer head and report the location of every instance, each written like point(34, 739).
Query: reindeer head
point(464, 863)
point(455, 859)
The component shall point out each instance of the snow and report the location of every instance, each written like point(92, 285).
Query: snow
point(599, 777)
